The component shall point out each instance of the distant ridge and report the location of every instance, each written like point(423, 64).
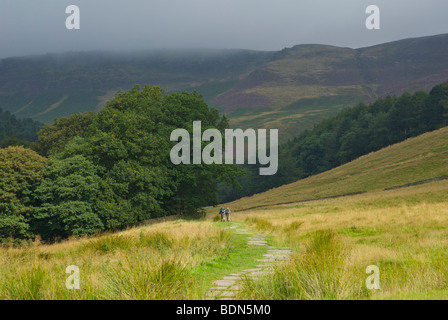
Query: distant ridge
point(311, 81)
point(291, 89)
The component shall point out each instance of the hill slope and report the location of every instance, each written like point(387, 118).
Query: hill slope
point(54, 85)
point(306, 83)
point(290, 90)
point(416, 159)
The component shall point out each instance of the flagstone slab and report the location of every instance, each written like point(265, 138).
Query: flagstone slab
point(227, 287)
point(227, 294)
point(224, 283)
point(232, 278)
point(257, 243)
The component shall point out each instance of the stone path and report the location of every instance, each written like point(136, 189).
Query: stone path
point(227, 287)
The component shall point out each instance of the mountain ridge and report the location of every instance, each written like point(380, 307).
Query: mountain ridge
point(331, 78)
point(291, 89)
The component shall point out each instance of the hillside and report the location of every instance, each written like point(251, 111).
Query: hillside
point(306, 83)
point(55, 85)
point(416, 159)
point(291, 89)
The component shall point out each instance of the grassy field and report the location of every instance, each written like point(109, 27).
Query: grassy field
point(176, 259)
point(403, 232)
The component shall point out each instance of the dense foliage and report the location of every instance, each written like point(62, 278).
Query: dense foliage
point(54, 137)
point(21, 170)
point(14, 131)
point(354, 132)
point(114, 169)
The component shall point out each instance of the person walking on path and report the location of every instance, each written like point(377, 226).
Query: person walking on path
point(222, 212)
point(228, 214)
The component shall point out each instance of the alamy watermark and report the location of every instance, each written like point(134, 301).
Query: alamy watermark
point(373, 281)
point(72, 281)
point(213, 153)
point(373, 20)
point(72, 22)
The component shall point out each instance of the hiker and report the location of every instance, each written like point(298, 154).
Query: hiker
point(222, 212)
point(228, 214)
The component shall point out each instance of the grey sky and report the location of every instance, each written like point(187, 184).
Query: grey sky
point(38, 26)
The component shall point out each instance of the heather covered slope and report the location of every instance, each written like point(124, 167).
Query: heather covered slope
point(307, 83)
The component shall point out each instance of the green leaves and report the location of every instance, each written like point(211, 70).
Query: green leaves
point(20, 172)
point(53, 138)
point(65, 198)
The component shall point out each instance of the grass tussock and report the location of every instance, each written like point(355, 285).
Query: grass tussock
point(260, 224)
point(143, 278)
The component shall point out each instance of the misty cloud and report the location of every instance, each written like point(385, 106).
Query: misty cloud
point(34, 27)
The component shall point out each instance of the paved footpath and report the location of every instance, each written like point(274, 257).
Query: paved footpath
point(227, 287)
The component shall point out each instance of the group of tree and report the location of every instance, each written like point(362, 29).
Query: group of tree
point(14, 131)
point(354, 132)
point(109, 170)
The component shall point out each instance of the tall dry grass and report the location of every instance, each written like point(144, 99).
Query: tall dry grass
point(321, 272)
point(153, 262)
point(403, 232)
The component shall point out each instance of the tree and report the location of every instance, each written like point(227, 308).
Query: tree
point(21, 170)
point(16, 132)
point(65, 199)
point(54, 137)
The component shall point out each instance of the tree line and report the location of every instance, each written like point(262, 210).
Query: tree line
point(14, 131)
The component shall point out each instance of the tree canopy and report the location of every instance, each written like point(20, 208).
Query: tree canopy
point(112, 170)
point(21, 170)
point(54, 137)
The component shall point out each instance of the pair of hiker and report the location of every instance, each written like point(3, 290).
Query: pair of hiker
point(225, 214)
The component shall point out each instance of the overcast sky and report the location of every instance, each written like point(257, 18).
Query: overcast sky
point(38, 26)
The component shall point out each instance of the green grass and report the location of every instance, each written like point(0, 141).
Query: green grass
point(359, 232)
point(428, 295)
point(402, 231)
point(241, 256)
